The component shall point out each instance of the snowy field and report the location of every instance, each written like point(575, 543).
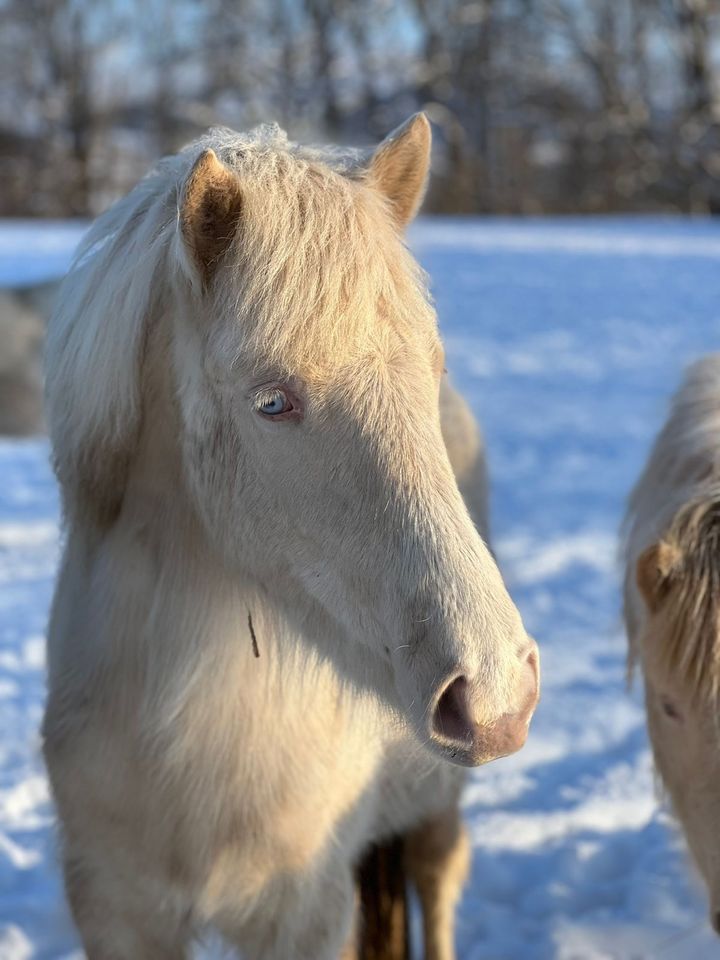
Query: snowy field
point(567, 338)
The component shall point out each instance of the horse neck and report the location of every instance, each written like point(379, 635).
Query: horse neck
point(214, 636)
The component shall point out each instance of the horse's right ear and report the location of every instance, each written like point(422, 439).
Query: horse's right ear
point(210, 208)
point(654, 571)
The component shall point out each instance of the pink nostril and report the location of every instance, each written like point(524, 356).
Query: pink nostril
point(532, 655)
point(531, 683)
point(452, 719)
point(455, 722)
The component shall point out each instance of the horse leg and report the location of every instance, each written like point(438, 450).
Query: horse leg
point(118, 918)
point(438, 857)
point(384, 931)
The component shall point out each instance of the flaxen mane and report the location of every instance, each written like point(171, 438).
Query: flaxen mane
point(677, 500)
point(691, 645)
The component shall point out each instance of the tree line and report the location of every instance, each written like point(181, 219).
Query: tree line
point(539, 106)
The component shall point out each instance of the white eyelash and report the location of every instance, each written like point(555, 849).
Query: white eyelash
point(266, 396)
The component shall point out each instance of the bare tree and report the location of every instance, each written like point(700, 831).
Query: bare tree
point(539, 105)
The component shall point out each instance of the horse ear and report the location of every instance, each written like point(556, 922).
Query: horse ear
point(399, 168)
point(209, 212)
point(654, 571)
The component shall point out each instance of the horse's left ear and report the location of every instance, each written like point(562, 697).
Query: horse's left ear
point(209, 212)
point(654, 570)
point(400, 165)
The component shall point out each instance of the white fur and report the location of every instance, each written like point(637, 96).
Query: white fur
point(684, 464)
point(198, 784)
point(672, 609)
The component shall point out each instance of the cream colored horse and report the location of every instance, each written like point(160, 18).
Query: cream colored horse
point(275, 621)
point(672, 610)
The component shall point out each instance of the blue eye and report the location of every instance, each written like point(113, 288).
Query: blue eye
point(276, 401)
point(275, 404)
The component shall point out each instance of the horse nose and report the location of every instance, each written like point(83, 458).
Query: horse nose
point(716, 921)
point(470, 742)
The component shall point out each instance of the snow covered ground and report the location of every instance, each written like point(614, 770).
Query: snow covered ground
point(567, 337)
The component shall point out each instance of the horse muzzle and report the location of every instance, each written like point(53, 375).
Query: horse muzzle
point(456, 730)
